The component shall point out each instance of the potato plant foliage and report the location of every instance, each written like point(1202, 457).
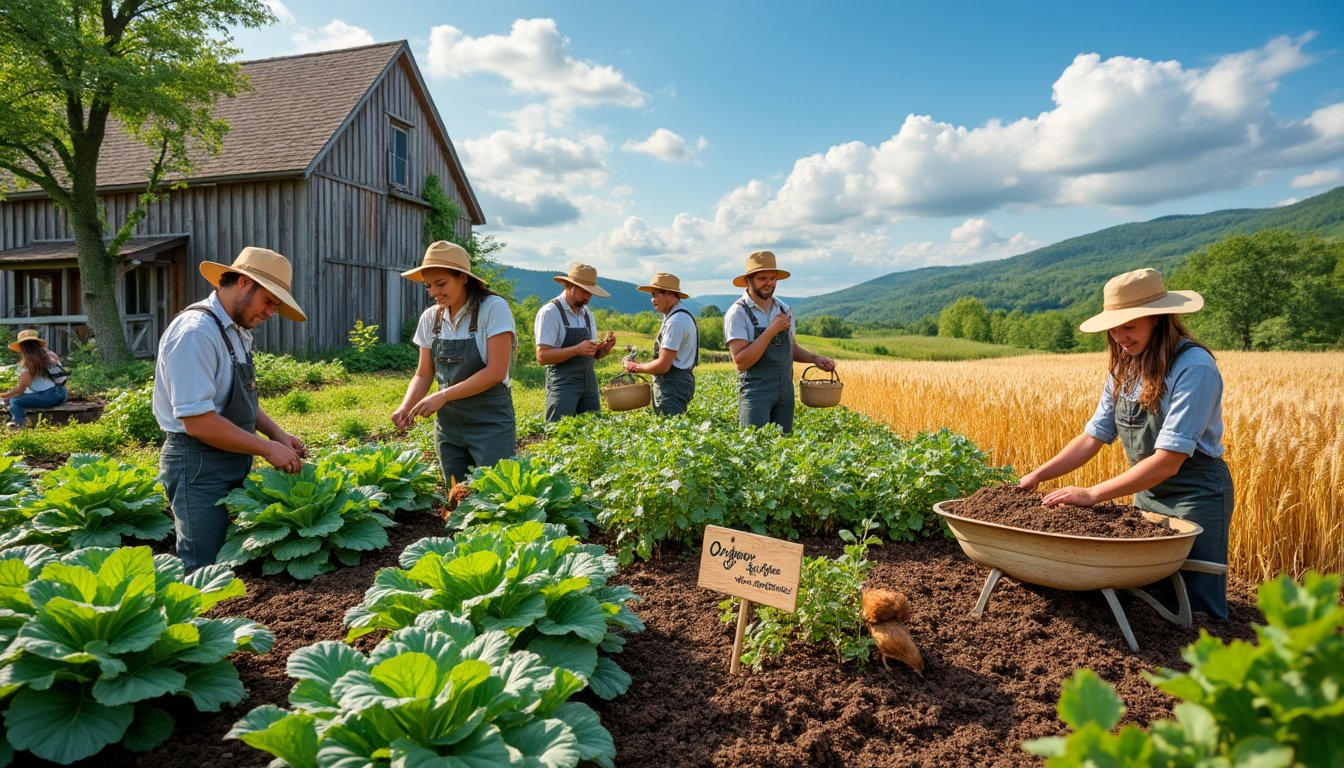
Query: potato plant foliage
point(547, 591)
point(302, 523)
point(91, 501)
point(1274, 704)
point(407, 483)
point(94, 641)
point(516, 491)
point(663, 479)
point(436, 693)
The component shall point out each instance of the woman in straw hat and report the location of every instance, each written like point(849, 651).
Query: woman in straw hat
point(567, 345)
point(676, 348)
point(205, 398)
point(466, 342)
point(41, 378)
point(1163, 399)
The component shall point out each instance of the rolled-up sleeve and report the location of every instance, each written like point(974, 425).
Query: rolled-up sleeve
point(548, 328)
point(191, 363)
point(1102, 423)
point(1194, 393)
point(736, 324)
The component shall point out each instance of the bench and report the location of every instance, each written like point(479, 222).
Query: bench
point(83, 411)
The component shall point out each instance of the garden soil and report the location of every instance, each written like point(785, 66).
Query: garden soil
point(989, 684)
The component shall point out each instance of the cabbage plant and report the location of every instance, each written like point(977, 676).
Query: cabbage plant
point(93, 642)
point(299, 523)
point(407, 483)
point(543, 588)
point(435, 693)
point(516, 491)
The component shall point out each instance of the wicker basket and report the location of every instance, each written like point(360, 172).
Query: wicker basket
point(627, 391)
point(820, 393)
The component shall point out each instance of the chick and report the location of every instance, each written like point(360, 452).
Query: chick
point(885, 612)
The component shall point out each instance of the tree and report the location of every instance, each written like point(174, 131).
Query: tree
point(711, 310)
point(965, 318)
point(826, 326)
point(1245, 280)
point(72, 71)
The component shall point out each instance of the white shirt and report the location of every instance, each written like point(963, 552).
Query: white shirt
point(678, 332)
point(737, 325)
point(193, 374)
point(495, 318)
point(549, 328)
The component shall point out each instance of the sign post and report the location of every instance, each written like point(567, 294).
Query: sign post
point(755, 569)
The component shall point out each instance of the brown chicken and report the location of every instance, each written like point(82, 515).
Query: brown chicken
point(886, 612)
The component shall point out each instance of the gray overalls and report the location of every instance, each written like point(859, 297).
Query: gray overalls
point(765, 390)
point(475, 431)
point(196, 475)
point(1200, 491)
point(672, 391)
point(571, 386)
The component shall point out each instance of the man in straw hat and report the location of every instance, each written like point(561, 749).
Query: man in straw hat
point(466, 342)
point(567, 345)
point(1163, 397)
point(205, 398)
point(676, 348)
point(760, 331)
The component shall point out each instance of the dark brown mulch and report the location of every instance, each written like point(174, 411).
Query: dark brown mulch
point(990, 683)
point(1020, 508)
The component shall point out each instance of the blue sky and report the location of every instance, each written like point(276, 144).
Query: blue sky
point(854, 138)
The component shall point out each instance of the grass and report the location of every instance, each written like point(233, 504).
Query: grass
point(879, 346)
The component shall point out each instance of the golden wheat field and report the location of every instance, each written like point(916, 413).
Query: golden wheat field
point(1283, 413)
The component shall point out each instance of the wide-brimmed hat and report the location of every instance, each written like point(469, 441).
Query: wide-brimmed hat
point(27, 334)
point(662, 281)
point(442, 254)
point(585, 277)
point(269, 269)
point(1136, 294)
point(760, 261)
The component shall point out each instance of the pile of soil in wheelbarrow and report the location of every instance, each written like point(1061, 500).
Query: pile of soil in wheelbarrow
point(1020, 508)
point(990, 682)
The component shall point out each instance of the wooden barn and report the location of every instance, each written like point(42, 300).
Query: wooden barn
point(325, 161)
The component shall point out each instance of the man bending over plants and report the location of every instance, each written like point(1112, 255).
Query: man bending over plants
point(205, 398)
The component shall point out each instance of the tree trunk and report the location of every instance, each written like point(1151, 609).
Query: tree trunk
point(97, 268)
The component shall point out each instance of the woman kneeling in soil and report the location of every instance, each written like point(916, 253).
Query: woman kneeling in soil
point(1163, 398)
point(466, 342)
point(41, 378)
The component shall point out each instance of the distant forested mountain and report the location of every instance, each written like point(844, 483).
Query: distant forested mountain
point(625, 297)
point(1070, 273)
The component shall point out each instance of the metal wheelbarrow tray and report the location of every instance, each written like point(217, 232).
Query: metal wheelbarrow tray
point(1078, 563)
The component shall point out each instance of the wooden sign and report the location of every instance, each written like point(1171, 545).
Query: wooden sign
point(756, 568)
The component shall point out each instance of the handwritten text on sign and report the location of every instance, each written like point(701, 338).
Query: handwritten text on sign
point(758, 568)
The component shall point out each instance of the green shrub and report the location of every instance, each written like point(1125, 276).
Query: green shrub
point(132, 412)
point(1276, 703)
point(407, 483)
point(381, 357)
point(92, 501)
point(829, 609)
point(297, 402)
point(277, 374)
point(95, 641)
point(352, 428)
point(90, 376)
point(516, 491)
point(299, 522)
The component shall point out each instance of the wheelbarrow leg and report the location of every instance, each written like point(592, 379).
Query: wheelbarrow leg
point(1119, 612)
point(1182, 616)
point(994, 575)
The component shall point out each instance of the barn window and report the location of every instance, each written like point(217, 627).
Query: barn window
point(400, 140)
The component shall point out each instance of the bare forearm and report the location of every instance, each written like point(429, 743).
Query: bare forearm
point(556, 355)
point(1078, 452)
point(217, 431)
point(1140, 477)
point(417, 389)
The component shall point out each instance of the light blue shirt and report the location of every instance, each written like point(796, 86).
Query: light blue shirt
point(1191, 408)
point(737, 325)
point(193, 374)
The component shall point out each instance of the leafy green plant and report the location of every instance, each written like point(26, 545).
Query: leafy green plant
point(96, 640)
point(298, 522)
point(545, 589)
point(407, 483)
point(296, 402)
point(352, 428)
point(132, 412)
point(1276, 703)
point(277, 374)
point(829, 609)
point(433, 694)
point(363, 337)
point(92, 501)
point(516, 491)
point(14, 476)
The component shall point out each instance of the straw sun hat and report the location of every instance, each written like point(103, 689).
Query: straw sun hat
point(269, 269)
point(1137, 294)
point(27, 334)
point(442, 254)
point(663, 281)
point(760, 261)
point(584, 277)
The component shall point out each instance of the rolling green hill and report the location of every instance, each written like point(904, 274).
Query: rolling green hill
point(1070, 273)
point(625, 298)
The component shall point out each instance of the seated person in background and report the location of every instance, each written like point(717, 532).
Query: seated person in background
point(41, 378)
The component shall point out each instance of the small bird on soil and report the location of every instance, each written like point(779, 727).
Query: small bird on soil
point(886, 612)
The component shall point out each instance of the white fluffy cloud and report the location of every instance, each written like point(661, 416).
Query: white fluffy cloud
point(535, 59)
point(668, 146)
point(281, 12)
point(1322, 177)
point(534, 178)
point(336, 34)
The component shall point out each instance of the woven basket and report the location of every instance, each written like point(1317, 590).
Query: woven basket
point(627, 391)
point(820, 393)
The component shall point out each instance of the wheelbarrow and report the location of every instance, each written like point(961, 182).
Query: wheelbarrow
point(1079, 563)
